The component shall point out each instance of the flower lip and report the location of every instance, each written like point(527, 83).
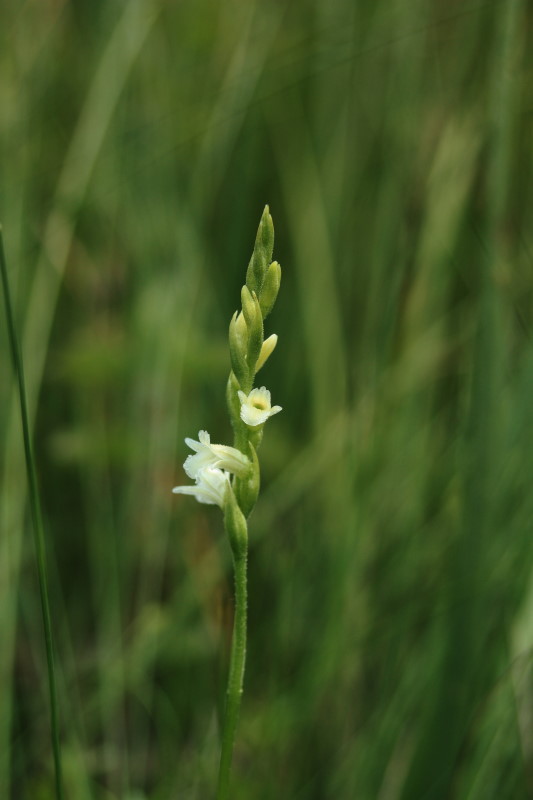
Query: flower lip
point(256, 407)
point(210, 488)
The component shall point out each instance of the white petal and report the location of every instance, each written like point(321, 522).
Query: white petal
point(193, 464)
point(253, 416)
point(210, 487)
point(264, 393)
point(193, 444)
point(230, 459)
point(188, 490)
point(213, 483)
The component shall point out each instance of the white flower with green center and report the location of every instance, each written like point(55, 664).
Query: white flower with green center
point(214, 455)
point(210, 488)
point(256, 407)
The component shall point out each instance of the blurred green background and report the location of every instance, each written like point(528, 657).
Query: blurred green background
point(391, 564)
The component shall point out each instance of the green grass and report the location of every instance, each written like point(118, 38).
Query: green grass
point(391, 568)
point(36, 519)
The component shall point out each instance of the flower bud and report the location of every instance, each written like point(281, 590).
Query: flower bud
point(248, 306)
point(266, 350)
point(270, 288)
point(233, 402)
point(263, 248)
point(238, 347)
point(255, 333)
point(241, 327)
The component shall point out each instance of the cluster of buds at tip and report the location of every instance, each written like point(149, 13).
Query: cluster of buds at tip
point(229, 476)
point(248, 348)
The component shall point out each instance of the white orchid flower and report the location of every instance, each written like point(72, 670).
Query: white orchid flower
point(210, 488)
point(213, 455)
point(256, 407)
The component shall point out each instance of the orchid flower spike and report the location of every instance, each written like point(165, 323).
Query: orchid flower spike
point(256, 407)
point(220, 456)
point(210, 488)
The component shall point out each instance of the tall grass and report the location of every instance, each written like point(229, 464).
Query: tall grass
point(36, 517)
point(391, 567)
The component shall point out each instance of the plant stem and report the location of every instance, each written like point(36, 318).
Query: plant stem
point(235, 677)
point(37, 523)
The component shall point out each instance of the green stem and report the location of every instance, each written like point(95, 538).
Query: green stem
point(36, 515)
point(235, 678)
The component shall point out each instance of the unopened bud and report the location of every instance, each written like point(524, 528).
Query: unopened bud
point(255, 334)
point(241, 329)
point(268, 348)
point(232, 399)
point(237, 348)
point(270, 289)
point(248, 306)
point(263, 248)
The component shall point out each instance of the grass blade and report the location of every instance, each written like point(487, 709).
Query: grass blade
point(37, 522)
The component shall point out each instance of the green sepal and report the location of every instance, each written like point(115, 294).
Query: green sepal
point(270, 289)
point(237, 349)
point(247, 487)
point(262, 254)
point(235, 525)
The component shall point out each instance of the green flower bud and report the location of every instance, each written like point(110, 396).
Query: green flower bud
point(235, 524)
point(262, 254)
point(248, 306)
point(242, 329)
point(270, 288)
point(238, 347)
point(255, 333)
